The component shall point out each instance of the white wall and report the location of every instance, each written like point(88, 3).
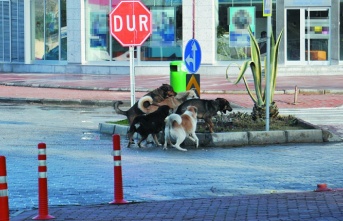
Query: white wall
point(204, 27)
point(74, 30)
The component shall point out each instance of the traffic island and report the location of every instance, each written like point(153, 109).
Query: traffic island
point(246, 138)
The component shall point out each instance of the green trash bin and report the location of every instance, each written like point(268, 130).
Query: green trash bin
point(178, 76)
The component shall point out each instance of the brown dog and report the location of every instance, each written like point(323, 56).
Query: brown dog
point(157, 95)
point(206, 109)
point(173, 102)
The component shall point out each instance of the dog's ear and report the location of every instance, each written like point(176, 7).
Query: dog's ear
point(167, 87)
point(165, 90)
point(221, 102)
point(224, 104)
point(168, 90)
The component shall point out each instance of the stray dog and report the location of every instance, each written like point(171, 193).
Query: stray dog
point(179, 127)
point(148, 124)
point(173, 102)
point(157, 96)
point(206, 109)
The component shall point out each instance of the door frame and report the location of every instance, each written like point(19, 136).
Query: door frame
point(303, 38)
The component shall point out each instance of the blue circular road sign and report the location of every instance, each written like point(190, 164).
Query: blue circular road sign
point(192, 55)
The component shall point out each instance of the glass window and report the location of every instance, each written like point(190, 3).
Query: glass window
point(165, 43)
point(234, 16)
point(341, 30)
point(97, 32)
point(307, 34)
point(317, 34)
point(50, 33)
point(11, 31)
point(293, 35)
point(5, 30)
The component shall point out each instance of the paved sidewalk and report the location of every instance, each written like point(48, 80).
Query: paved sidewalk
point(290, 206)
point(315, 91)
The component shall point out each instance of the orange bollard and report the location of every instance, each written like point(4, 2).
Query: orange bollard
point(42, 185)
point(4, 208)
point(118, 179)
point(322, 187)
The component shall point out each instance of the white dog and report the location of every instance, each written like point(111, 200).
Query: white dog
point(179, 127)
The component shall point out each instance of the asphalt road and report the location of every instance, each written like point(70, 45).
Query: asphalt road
point(326, 118)
point(80, 165)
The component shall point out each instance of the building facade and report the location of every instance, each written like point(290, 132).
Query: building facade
point(60, 36)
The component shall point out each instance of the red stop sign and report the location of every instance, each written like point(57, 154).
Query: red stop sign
point(130, 23)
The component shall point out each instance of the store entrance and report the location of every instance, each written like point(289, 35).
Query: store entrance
point(307, 36)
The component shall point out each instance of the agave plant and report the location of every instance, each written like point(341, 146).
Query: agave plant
point(259, 98)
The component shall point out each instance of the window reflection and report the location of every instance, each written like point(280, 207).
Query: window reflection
point(97, 34)
point(226, 51)
point(293, 35)
point(50, 30)
point(163, 45)
point(341, 31)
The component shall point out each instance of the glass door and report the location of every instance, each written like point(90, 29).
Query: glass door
point(308, 36)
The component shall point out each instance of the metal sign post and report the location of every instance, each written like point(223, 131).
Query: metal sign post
point(267, 11)
point(132, 76)
point(131, 25)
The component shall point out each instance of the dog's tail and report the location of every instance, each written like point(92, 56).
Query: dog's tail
point(171, 118)
point(142, 103)
point(116, 108)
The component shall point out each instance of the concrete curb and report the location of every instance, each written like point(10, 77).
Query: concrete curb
point(235, 139)
point(101, 103)
point(287, 91)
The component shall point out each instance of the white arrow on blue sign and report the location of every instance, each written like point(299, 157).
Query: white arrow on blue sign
point(192, 55)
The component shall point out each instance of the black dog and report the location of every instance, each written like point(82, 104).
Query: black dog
point(206, 109)
point(151, 123)
point(157, 95)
